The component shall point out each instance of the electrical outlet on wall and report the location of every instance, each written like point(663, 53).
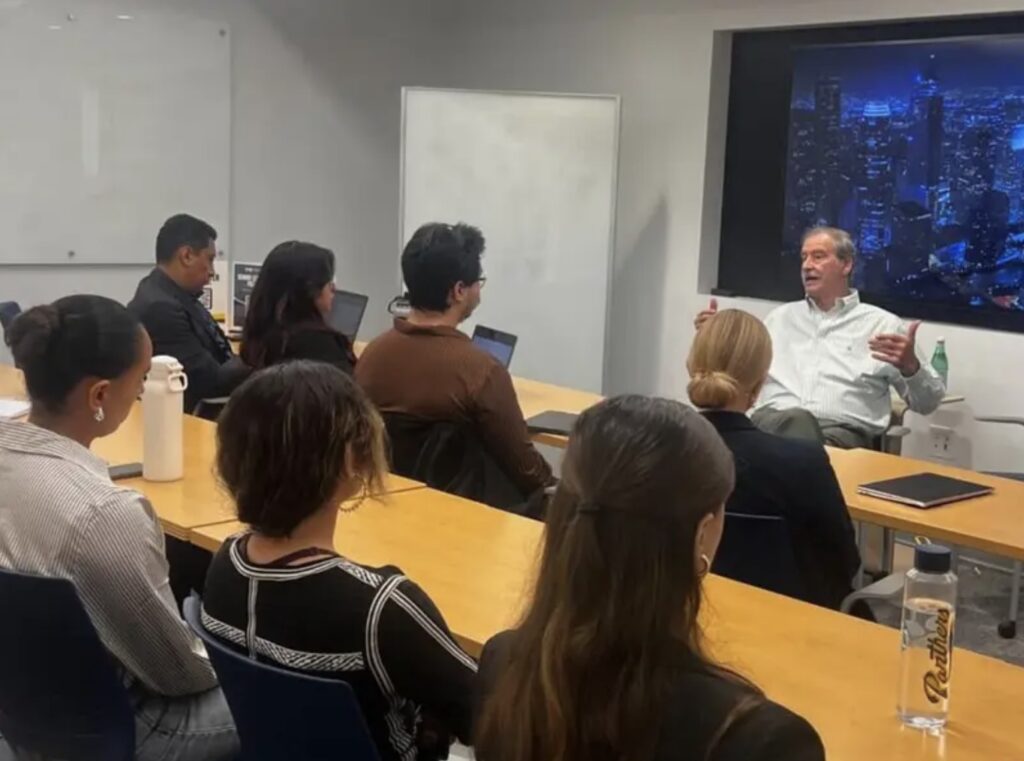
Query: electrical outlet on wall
point(940, 442)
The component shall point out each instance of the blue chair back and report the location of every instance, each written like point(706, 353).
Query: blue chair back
point(758, 550)
point(285, 714)
point(8, 311)
point(61, 693)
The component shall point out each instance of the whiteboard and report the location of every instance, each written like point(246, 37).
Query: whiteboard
point(113, 120)
point(537, 174)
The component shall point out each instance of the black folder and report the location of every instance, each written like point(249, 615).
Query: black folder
point(558, 423)
point(924, 490)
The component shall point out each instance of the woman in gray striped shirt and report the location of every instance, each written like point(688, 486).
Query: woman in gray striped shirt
point(85, 359)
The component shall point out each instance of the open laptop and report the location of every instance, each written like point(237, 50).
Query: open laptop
point(497, 343)
point(347, 313)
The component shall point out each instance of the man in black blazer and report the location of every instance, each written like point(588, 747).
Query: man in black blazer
point(167, 304)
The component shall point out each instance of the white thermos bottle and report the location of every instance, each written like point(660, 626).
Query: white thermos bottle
point(163, 411)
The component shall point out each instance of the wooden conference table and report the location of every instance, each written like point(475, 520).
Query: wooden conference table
point(992, 524)
point(477, 563)
point(536, 397)
point(195, 500)
point(839, 672)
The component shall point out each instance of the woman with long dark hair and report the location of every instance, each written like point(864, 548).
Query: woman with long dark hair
point(607, 663)
point(287, 314)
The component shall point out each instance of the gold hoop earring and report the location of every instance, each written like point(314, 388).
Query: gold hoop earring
point(705, 565)
point(364, 494)
point(354, 505)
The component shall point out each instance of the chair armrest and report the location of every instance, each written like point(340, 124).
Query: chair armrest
point(899, 411)
point(889, 588)
point(900, 407)
point(212, 402)
point(999, 419)
point(897, 432)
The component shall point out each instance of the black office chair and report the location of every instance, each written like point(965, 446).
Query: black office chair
point(285, 714)
point(8, 311)
point(1007, 628)
point(61, 693)
point(758, 550)
point(210, 409)
point(450, 457)
point(442, 455)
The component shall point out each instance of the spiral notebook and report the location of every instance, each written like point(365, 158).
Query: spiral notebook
point(924, 490)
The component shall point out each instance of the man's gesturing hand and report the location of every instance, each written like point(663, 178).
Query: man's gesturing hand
point(705, 314)
point(898, 350)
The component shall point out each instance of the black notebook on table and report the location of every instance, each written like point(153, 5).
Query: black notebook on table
point(924, 490)
point(558, 423)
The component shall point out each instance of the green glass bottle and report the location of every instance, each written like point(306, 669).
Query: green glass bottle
point(940, 361)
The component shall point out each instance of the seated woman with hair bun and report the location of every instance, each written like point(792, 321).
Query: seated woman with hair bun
point(777, 476)
point(85, 359)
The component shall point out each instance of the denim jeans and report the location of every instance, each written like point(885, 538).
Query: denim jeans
point(192, 728)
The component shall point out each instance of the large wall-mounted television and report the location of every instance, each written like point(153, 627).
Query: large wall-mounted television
point(909, 136)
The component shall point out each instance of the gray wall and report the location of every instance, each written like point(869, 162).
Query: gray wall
point(668, 61)
point(316, 142)
point(315, 135)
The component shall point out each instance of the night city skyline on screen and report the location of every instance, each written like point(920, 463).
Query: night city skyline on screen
point(917, 149)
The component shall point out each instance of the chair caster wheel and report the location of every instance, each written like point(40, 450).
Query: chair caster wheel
point(1007, 629)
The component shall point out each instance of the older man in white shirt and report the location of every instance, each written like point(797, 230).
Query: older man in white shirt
point(835, 358)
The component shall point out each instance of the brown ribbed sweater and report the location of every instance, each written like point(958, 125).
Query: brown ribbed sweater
point(436, 373)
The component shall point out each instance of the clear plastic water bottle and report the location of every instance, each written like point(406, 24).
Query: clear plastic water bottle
point(929, 615)
point(940, 361)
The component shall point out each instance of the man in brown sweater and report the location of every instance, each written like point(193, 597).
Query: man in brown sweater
point(427, 368)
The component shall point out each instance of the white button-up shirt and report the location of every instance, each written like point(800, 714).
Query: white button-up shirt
point(822, 363)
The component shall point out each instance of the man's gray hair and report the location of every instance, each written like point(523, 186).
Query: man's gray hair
point(846, 249)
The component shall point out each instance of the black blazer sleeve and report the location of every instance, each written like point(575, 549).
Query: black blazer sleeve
point(769, 732)
point(816, 497)
point(171, 330)
point(321, 346)
point(827, 515)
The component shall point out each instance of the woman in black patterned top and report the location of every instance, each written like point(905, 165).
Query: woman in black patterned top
point(295, 441)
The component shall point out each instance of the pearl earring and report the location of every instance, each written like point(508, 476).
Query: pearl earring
point(98, 415)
